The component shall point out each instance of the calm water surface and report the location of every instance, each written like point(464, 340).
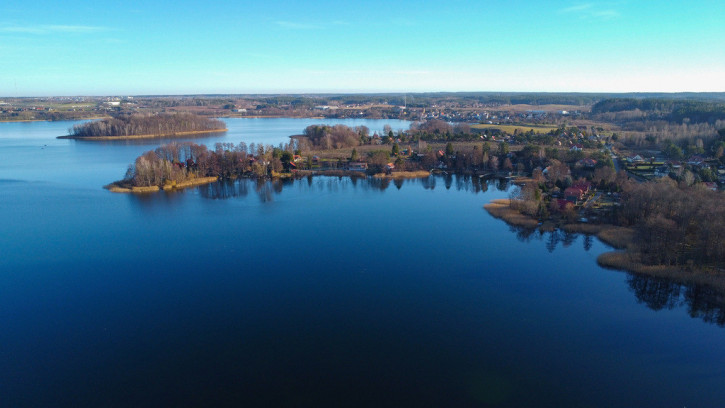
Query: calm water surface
point(318, 292)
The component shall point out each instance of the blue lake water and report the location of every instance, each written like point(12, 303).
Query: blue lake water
point(318, 292)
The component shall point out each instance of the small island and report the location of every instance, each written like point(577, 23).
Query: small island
point(145, 126)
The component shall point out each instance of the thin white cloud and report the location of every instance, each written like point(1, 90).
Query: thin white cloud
point(74, 29)
point(577, 8)
point(602, 11)
point(292, 25)
point(51, 29)
point(372, 72)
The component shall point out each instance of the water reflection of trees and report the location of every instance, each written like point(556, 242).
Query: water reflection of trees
point(552, 239)
point(701, 301)
point(658, 293)
point(266, 189)
point(224, 189)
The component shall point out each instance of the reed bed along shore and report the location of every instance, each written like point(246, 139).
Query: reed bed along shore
point(119, 188)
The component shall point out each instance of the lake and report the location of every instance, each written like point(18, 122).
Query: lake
point(318, 292)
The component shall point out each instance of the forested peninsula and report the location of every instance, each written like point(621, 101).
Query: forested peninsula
point(141, 126)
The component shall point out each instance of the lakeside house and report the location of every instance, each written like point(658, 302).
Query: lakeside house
point(587, 163)
point(563, 204)
point(577, 191)
point(573, 194)
point(357, 166)
point(696, 161)
point(584, 186)
point(710, 185)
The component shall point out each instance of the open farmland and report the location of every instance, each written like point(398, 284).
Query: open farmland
point(512, 128)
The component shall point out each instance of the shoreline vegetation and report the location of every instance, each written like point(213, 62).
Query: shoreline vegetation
point(146, 136)
point(121, 187)
point(403, 174)
point(144, 126)
point(626, 255)
point(615, 236)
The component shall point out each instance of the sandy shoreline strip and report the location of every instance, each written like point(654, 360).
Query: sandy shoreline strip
point(114, 188)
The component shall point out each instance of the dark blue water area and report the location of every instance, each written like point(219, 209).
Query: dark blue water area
point(326, 292)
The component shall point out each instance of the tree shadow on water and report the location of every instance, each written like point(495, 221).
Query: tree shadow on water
point(702, 302)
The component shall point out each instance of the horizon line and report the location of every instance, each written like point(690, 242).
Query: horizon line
point(327, 93)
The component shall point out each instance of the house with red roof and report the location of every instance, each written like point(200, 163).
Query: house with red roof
point(586, 162)
point(573, 194)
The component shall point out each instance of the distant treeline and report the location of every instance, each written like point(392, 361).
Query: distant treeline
point(665, 109)
point(141, 124)
point(45, 115)
point(422, 100)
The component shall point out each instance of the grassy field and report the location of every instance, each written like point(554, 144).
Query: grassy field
point(511, 128)
point(644, 166)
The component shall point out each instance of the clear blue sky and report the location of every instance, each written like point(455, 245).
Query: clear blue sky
point(176, 47)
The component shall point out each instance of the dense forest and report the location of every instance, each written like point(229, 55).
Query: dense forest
point(335, 137)
point(146, 124)
point(676, 224)
point(178, 162)
point(671, 110)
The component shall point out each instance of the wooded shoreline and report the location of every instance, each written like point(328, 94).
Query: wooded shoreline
point(146, 136)
point(620, 238)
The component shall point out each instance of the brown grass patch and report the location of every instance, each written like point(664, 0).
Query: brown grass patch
point(404, 174)
point(114, 188)
point(149, 189)
point(191, 183)
point(500, 209)
point(122, 187)
point(628, 261)
point(618, 237)
point(331, 173)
